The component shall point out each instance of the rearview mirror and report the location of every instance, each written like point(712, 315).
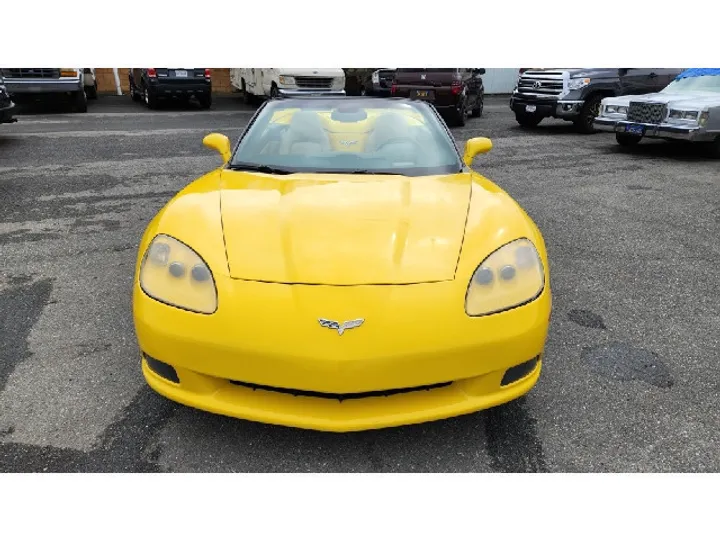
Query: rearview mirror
point(220, 143)
point(479, 145)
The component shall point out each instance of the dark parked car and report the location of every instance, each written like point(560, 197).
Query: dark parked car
point(152, 84)
point(455, 92)
point(575, 94)
point(368, 81)
point(6, 105)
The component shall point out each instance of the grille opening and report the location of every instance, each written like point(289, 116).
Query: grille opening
point(341, 397)
point(313, 82)
point(516, 373)
point(162, 369)
point(646, 113)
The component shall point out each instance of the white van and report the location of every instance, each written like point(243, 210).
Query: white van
point(257, 83)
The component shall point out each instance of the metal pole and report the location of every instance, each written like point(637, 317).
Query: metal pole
point(117, 82)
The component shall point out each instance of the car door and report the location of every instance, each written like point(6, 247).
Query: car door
point(638, 81)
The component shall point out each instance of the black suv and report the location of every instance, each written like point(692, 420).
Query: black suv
point(575, 94)
point(455, 92)
point(153, 84)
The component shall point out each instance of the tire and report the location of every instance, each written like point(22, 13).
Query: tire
point(79, 101)
point(627, 139)
point(205, 100)
point(478, 110)
point(247, 96)
point(713, 149)
point(150, 99)
point(91, 91)
point(588, 113)
point(528, 120)
point(134, 95)
point(459, 116)
point(363, 92)
point(274, 92)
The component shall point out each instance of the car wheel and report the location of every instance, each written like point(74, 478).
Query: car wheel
point(363, 92)
point(150, 99)
point(247, 96)
point(627, 139)
point(588, 113)
point(134, 95)
point(205, 100)
point(478, 110)
point(274, 92)
point(460, 114)
point(80, 101)
point(92, 91)
point(713, 148)
point(528, 120)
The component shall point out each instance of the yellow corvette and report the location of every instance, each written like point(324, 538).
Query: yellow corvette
point(344, 269)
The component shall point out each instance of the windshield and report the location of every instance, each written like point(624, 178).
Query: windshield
point(347, 136)
point(706, 83)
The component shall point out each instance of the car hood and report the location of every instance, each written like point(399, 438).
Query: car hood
point(343, 230)
point(684, 100)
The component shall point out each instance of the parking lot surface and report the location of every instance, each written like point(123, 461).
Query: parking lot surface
point(631, 380)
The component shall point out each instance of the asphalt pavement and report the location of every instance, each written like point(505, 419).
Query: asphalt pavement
point(631, 381)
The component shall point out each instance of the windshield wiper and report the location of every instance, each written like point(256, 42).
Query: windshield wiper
point(258, 168)
point(360, 171)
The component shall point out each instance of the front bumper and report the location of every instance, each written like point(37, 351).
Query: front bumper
point(219, 358)
point(301, 92)
point(547, 107)
point(657, 131)
point(17, 87)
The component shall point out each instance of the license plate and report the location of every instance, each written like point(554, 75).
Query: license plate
point(530, 108)
point(422, 93)
point(635, 129)
point(180, 73)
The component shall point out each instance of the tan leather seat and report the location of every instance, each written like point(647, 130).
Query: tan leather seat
point(388, 127)
point(305, 135)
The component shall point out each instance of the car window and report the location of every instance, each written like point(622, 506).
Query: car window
point(359, 136)
point(705, 83)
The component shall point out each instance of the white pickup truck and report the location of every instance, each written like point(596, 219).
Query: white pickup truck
point(71, 84)
point(257, 83)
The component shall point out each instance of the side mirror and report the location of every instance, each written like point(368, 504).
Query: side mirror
point(479, 71)
point(219, 143)
point(473, 147)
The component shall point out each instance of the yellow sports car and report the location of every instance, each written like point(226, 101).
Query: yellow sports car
point(344, 269)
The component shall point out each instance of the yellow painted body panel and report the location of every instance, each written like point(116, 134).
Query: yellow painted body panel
point(339, 231)
point(345, 231)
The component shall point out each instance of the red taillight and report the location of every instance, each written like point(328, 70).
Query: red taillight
point(393, 88)
point(152, 72)
point(456, 86)
point(207, 73)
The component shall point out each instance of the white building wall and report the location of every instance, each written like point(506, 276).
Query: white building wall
point(500, 80)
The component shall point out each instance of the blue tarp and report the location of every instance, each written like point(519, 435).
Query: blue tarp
point(698, 72)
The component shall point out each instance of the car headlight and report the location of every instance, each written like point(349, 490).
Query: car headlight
point(174, 274)
point(577, 84)
point(683, 115)
point(509, 277)
point(703, 118)
point(615, 109)
point(284, 79)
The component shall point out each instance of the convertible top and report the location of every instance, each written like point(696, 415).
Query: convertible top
point(698, 72)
